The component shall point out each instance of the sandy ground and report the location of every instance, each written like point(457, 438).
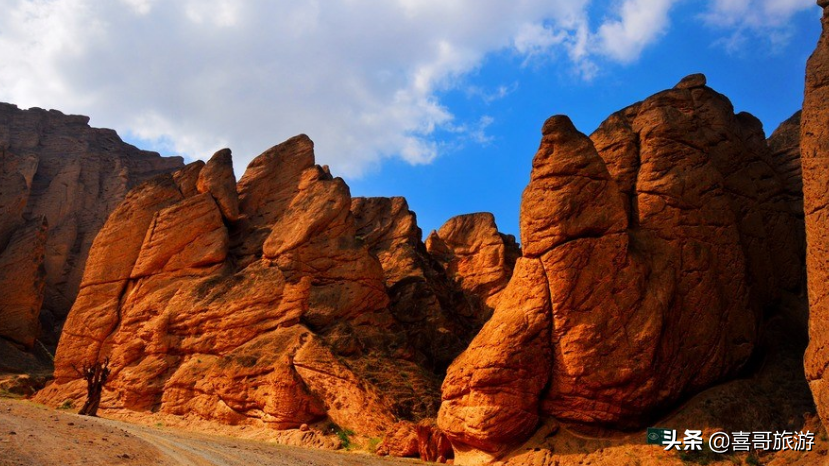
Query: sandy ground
point(33, 435)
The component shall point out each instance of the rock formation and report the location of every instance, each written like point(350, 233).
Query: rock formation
point(784, 143)
point(650, 251)
point(491, 392)
point(262, 303)
point(423, 440)
point(815, 161)
point(59, 180)
point(785, 150)
point(438, 321)
point(477, 257)
point(22, 279)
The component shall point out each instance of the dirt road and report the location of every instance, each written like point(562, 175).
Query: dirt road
point(32, 435)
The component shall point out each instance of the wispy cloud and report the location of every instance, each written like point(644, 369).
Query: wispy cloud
point(639, 24)
point(489, 95)
point(745, 21)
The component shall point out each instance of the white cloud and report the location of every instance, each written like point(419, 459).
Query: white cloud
point(491, 95)
point(767, 20)
point(640, 23)
point(361, 77)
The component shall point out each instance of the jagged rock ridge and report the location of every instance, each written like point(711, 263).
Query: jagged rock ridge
point(437, 320)
point(276, 301)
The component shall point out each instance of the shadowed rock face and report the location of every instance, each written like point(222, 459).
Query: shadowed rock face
point(439, 322)
point(263, 302)
point(22, 279)
point(785, 150)
point(59, 180)
point(815, 160)
point(650, 250)
point(477, 257)
point(784, 143)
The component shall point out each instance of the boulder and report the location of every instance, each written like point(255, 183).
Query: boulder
point(401, 441)
point(423, 440)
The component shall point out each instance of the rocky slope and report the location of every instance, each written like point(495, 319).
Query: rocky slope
point(651, 250)
point(277, 301)
point(815, 161)
point(59, 180)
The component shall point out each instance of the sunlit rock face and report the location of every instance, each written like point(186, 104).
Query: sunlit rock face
point(815, 162)
point(477, 257)
point(650, 250)
point(275, 301)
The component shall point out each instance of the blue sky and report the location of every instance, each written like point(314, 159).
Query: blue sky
point(761, 78)
point(438, 101)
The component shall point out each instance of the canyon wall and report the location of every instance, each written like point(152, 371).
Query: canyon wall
point(652, 253)
point(815, 161)
point(59, 180)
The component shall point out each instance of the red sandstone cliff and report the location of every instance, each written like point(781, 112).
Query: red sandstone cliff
point(815, 162)
point(650, 250)
point(59, 180)
point(276, 301)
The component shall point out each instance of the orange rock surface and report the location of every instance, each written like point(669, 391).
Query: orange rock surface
point(261, 303)
point(649, 249)
point(492, 391)
point(59, 180)
point(815, 161)
point(477, 257)
point(438, 320)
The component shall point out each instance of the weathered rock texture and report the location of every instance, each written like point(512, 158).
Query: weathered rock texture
point(261, 303)
point(438, 320)
point(815, 160)
point(477, 257)
point(491, 392)
point(59, 180)
point(784, 143)
point(650, 250)
point(22, 278)
point(423, 440)
point(785, 149)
